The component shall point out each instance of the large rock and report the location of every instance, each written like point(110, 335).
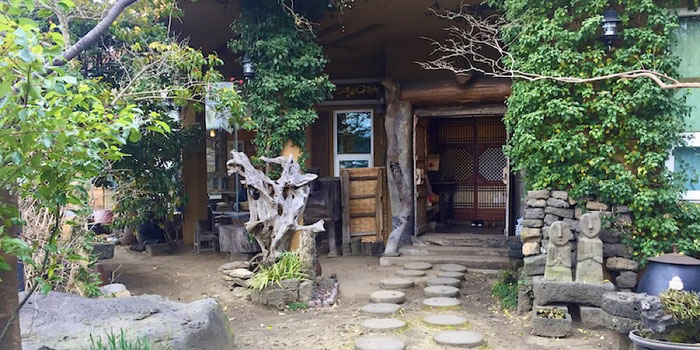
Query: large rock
point(549, 219)
point(608, 235)
point(529, 234)
point(531, 248)
point(597, 206)
point(557, 203)
point(234, 265)
point(536, 203)
point(541, 194)
point(547, 292)
point(621, 264)
point(240, 273)
point(66, 321)
point(534, 223)
point(561, 212)
point(626, 279)
point(534, 265)
point(534, 213)
point(654, 317)
point(623, 304)
point(616, 249)
point(560, 195)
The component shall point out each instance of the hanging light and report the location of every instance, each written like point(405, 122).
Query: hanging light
point(248, 67)
point(611, 27)
point(212, 133)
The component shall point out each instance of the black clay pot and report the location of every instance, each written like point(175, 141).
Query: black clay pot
point(663, 268)
point(641, 343)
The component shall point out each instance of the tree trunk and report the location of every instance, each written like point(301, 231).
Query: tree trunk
point(398, 131)
point(9, 297)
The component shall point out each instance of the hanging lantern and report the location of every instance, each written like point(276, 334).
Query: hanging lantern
point(248, 67)
point(611, 27)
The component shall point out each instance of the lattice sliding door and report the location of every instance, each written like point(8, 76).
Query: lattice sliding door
point(472, 162)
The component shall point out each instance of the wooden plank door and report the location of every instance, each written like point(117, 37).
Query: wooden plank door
point(420, 186)
point(365, 205)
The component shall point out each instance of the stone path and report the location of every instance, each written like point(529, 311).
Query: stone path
point(388, 322)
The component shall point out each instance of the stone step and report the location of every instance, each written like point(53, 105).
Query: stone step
point(460, 240)
point(458, 251)
point(471, 262)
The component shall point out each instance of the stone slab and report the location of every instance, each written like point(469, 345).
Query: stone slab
point(626, 279)
point(158, 249)
point(451, 274)
point(441, 302)
point(445, 320)
point(379, 343)
point(441, 291)
point(551, 327)
point(396, 283)
point(621, 264)
point(453, 268)
point(537, 194)
point(380, 308)
point(465, 339)
point(442, 281)
point(623, 304)
point(388, 296)
point(547, 292)
point(410, 273)
point(66, 321)
point(593, 317)
point(534, 265)
point(418, 266)
point(382, 324)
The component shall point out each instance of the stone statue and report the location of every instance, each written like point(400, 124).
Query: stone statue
point(558, 266)
point(589, 255)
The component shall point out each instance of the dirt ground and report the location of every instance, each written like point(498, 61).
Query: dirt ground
point(187, 277)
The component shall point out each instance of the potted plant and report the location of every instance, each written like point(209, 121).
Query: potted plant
point(670, 321)
point(551, 321)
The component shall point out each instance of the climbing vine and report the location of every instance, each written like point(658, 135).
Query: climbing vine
point(609, 139)
point(290, 76)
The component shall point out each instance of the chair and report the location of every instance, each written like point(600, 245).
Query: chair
point(205, 241)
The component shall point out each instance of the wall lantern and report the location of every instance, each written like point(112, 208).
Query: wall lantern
point(611, 27)
point(248, 67)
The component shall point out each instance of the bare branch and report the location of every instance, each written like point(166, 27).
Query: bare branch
point(477, 46)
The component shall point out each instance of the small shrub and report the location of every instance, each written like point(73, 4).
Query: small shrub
point(506, 290)
point(684, 306)
point(288, 266)
point(297, 306)
point(553, 312)
point(120, 342)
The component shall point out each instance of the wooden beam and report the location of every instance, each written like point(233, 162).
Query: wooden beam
point(462, 111)
point(450, 92)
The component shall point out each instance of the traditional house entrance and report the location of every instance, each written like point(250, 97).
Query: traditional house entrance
point(460, 170)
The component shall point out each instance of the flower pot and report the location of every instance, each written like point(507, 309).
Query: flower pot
point(641, 343)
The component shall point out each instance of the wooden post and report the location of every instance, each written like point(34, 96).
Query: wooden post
point(345, 197)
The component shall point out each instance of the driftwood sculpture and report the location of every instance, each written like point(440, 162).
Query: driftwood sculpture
point(277, 206)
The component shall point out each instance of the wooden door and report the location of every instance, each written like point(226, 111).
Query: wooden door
point(420, 186)
point(365, 200)
point(472, 160)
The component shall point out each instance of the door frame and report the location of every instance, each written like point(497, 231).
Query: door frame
point(461, 113)
point(359, 156)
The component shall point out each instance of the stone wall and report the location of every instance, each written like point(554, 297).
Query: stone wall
point(544, 207)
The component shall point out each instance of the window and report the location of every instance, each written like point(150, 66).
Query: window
point(687, 159)
point(353, 144)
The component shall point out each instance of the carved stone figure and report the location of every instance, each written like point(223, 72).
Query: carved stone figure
point(558, 267)
point(589, 255)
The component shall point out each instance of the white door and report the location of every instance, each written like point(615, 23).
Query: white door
point(353, 144)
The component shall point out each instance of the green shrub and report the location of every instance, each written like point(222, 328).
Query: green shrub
point(288, 266)
point(297, 306)
point(684, 307)
point(120, 342)
point(506, 290)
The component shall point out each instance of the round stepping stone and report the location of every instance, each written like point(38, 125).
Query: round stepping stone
point(453, 268)
point(388, 296)
point(383, 324)
point(441, 302)
point(418, 266)
point(410, 273)
point(451, 274)
point(396, 283)
point(441, 291)
point(442, 281)
point(380, 308)
point(445, 320)
point(379, 343)
point(466, 339)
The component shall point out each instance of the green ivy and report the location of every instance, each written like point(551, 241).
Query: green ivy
point(290, 76)
point(609, 139)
